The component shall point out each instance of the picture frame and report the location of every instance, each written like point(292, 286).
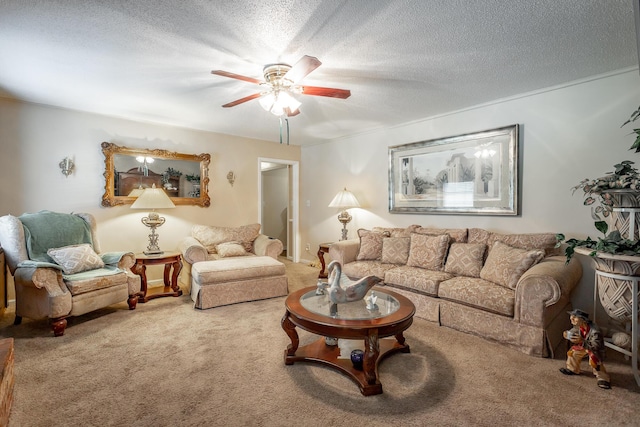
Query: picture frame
point(470, 174)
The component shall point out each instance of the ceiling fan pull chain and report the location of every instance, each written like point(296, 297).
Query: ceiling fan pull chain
point(287, 131)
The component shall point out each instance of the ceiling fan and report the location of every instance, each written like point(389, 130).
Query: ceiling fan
point(280, 82)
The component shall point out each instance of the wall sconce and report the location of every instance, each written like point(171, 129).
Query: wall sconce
point(231, 177)
point(67, 166)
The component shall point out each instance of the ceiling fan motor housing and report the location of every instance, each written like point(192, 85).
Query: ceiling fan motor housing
point(274, 76)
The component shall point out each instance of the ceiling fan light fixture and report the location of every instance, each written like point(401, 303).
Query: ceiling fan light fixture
point(279, 103)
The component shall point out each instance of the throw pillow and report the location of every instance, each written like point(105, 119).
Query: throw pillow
point(428, 251)
point(210, 236)
point(465, 259)
point(370, 244)
point(228, 249)
point(395, 250)
point(76, 258)
point(505, 264)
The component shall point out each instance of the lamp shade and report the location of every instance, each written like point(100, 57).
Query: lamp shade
point(344, 200)
point(153, 198)
point(136, 192)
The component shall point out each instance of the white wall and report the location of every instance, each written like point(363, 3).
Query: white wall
point(35, 138)
point(567, 134)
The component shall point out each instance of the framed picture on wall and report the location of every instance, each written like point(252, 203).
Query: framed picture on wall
point(472, 174)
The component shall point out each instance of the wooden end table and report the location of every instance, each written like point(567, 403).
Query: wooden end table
point(352, 321)
point(171, 260)
point(323, 249)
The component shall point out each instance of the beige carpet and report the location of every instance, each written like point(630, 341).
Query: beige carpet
point(166, 364)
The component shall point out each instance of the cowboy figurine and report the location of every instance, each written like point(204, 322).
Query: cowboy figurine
point(586, 339)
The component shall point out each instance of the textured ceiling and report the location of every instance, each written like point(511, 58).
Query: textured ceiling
point(402, 60)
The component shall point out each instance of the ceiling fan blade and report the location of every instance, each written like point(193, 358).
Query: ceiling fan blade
point(236, 76)
point(326, 91)
point(242, 100)
point(300, 69)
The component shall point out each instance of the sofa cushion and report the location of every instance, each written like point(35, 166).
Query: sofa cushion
point(396, 231)
point(395, 250)
point(235, 269)
point(94, 280)
point(210, 236)
point(465, 259)
point(458, 235)
point(428, 251)
point(543, 241)
point(359, 269)
point(228, 249)
point(370, 244)
point(76, 258)
point(506, 264)
point(480, 294)
point(417, 279)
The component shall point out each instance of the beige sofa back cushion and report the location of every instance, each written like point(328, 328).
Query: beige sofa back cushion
point(458, 235)
point(506, 264)
point(396, 231)
point(210, 236)
point(529, 241)
point(428, 251)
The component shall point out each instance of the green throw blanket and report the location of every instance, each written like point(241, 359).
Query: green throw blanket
point(45, 229)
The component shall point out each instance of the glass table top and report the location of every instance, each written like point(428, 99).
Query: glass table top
point(384, 305)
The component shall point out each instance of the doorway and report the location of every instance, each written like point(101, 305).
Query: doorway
point(278, 207)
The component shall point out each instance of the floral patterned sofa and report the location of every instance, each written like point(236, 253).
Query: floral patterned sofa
point(510, 288)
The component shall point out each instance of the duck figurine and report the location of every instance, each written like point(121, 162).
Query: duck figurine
point(342, 289)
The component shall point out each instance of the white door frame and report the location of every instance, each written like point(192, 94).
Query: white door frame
point(294, 215)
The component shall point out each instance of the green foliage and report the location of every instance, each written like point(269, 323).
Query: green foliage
point(192, 178)
point(634, 116)
point(613, 243)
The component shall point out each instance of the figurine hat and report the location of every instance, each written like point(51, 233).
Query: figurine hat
point(579, 313)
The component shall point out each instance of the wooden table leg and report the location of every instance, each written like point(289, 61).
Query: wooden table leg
point(290, 329)
point(321, 252)
point(371, 353)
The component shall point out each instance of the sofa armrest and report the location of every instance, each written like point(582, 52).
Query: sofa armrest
point(266, 246)
point(192, 250)
point(58, 300)
point(344, 251)
point(543, 285)
point(123, 260)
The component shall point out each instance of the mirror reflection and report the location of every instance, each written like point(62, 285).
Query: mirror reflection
point(128, 171)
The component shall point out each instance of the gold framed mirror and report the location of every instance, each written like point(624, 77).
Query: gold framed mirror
point(184, 177)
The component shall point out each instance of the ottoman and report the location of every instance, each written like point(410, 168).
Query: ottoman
point(232, 280)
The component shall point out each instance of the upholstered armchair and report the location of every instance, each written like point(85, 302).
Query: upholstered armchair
point(58, 269)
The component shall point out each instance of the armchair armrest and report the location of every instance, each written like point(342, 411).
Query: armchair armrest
point(58, 300)
point(192, 250)
point(542, 286)
point(266, 246)
point(123, 260)
point(344, 251)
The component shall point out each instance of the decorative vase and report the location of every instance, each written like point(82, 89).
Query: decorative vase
point(357, 356)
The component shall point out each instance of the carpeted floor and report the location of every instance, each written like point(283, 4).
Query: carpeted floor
point(167, 364)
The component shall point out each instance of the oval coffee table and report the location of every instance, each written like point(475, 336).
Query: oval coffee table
point(392, 315)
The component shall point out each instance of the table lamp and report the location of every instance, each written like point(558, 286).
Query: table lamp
point(153, 198)
point(344, 200)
